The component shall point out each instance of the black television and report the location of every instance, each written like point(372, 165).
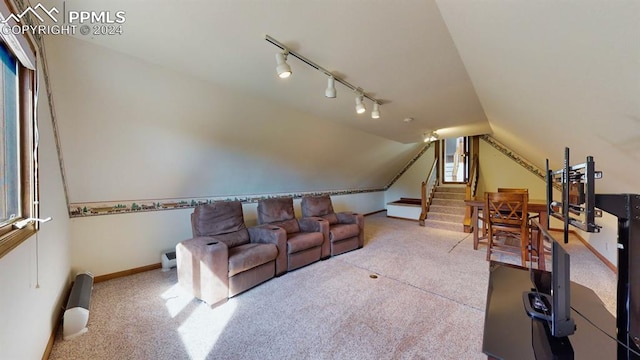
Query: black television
point(579, 207)
point(554, 308)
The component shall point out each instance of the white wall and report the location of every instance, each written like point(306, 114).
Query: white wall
point(112, 243)
point(132, 130)
point(409, 184)
point(497, 170)
point(26, 311)
point(605, 242)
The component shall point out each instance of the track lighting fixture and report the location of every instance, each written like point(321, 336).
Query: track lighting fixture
point(430, 137)
point(359, 105)
point(331, 88)
point(284, 71)
point(375, 113)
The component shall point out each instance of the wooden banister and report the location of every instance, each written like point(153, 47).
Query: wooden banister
point(470, 193)
point(427, 190)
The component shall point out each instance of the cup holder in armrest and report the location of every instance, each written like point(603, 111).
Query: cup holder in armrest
point(212, 243)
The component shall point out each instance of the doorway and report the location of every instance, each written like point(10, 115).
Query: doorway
point(455, 160)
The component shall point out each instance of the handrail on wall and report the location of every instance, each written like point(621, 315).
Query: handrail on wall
point(427, 191)
point(470, 193)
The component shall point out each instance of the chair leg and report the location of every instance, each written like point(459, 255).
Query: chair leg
point(524, 244)
point(489, 244)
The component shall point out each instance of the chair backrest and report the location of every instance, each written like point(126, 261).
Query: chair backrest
point(506, 208)
point(513, 190)
point(223, 220)
point(319, 206)
point(279, 212)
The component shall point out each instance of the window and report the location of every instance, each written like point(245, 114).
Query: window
point(9, 139)
point(18, 179)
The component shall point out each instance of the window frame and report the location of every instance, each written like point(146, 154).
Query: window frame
point(11, 237)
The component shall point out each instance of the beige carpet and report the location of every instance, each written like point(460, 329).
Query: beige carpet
point(427, 302)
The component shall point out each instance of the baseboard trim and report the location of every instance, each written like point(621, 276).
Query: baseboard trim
point(401, 218)
point(137, 270)
point(56, 327)
point(49, 348)
point(120, 274)
point(591, 248)
point(596, 253)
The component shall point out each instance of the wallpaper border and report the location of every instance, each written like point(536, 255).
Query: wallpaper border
point(83, 209)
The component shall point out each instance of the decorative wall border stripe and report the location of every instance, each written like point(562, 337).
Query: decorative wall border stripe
point(409, 164)
point(135, 206)
point(529, 166)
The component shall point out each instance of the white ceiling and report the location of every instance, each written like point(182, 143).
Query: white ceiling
point(537, 75)
point(399, 52)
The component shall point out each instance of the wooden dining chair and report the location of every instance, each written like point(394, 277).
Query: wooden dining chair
point(534, 230)
point(506, 218)
point(513, 190)
point(485, 230)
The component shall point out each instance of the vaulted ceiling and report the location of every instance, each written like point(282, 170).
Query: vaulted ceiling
point(538, 76)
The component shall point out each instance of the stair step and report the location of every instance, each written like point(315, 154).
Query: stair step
point(448, 202)
point(443, 209)
point(452, 189)
point(444, 225)
point(440, 216)
point(448, 195)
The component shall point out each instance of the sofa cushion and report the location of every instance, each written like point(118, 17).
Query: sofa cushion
point(343, 231)
point(233, 239)
point(331, 218)
point(303, 241)
point(275, 209)
point(318, 206)
point(220, 217)
point(248, 256)
point(290, 226)
point(279, 212)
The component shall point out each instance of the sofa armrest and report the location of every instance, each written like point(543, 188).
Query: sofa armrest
point(347, 217)
point(271, 234)
point(318, 224)
point(311, 224)
point(203, 268)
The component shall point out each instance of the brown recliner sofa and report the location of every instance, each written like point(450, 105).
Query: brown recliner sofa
point(224, 257)
point(346, 229)
point(307, 238)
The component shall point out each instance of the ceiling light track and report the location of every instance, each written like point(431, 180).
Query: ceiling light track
point(326, 72)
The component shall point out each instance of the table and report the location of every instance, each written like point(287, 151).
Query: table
point(509, 333)
point(533, 206)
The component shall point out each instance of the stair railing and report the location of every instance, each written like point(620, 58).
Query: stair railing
point(470, 193)
point(427, 190)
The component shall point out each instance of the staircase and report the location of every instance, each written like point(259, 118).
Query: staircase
point(447, 208)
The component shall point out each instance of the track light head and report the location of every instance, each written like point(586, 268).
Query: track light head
point(331, 88)
point(375, 113)
point(429, 137)
point(282, 68)
point(359, 105)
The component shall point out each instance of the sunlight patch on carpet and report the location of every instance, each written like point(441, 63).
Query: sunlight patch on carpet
point(175, 300)
point(201, 330)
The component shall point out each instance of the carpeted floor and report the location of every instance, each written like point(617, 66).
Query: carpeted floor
point(427, 302)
